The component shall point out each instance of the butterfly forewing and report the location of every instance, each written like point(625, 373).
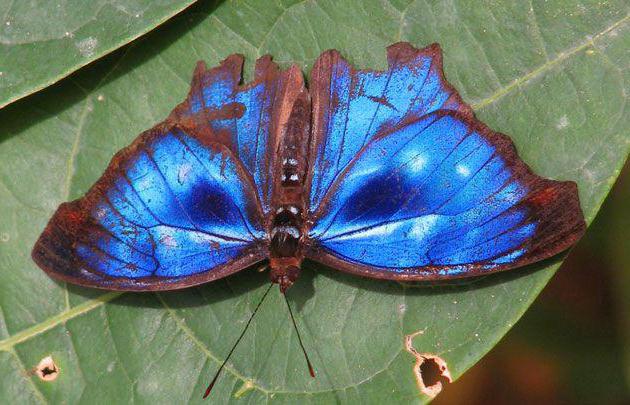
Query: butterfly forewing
point(351, 106)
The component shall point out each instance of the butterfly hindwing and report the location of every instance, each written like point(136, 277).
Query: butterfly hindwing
point(170, 211)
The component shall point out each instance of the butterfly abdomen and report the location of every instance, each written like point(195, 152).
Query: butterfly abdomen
point(287, 230)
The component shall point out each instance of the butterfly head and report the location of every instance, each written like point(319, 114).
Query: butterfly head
point(284, 272)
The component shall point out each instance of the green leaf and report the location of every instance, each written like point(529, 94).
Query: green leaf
point(554, 76)
point(44, 41)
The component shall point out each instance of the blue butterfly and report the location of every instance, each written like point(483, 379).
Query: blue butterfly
point(382, 174)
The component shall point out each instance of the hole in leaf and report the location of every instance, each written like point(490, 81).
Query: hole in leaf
point(47, 370)
point(431, 371)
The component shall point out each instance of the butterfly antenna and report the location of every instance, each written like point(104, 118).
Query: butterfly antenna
point(216, 376)
point(308, 362)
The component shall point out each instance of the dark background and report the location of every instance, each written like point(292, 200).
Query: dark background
point(573, 345)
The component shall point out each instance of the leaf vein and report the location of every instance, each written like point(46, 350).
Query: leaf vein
point(562, 56)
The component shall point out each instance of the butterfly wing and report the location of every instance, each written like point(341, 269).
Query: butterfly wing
point(249, 118)
point(436, 196)
point(169, 212)
point(351, 106)
point(186, 202)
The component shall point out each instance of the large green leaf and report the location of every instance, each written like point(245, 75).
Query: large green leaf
point(553, 75)
point(43, 41)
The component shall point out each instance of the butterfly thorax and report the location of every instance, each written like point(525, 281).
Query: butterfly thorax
point(285, 246)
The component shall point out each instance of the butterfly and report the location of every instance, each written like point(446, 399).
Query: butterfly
point(384, 174)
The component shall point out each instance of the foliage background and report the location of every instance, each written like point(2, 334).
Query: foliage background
point(553, 75)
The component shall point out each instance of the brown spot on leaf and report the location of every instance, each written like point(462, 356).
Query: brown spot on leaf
point(431, 371)
point(46, 369)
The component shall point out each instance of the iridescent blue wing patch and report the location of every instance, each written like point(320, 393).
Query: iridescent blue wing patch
point(424, 191)
point(169, 212)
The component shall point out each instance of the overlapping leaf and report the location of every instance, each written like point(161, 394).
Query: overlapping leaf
point(43, 41)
